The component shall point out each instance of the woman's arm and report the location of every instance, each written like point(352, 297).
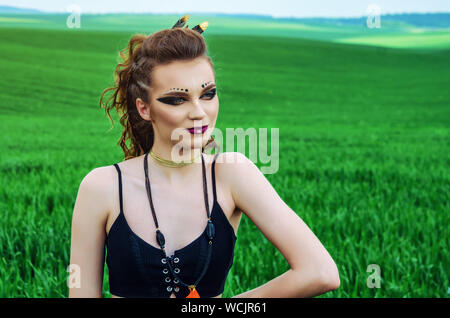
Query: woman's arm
point(291, 285)
point(313, 271)
point(88, 237)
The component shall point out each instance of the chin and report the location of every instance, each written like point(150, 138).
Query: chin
point(198, 143)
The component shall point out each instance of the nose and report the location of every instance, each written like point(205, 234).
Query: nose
point(197, 111)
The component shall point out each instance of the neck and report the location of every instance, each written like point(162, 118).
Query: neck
point(175, 174)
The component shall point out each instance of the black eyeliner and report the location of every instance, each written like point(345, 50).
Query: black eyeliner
point(167, 99)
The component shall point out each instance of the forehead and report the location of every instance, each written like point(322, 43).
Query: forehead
point(182, 74)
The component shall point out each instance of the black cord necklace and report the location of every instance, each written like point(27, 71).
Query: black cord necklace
point(210, 230)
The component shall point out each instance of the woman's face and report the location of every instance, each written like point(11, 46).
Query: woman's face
point(183, 95)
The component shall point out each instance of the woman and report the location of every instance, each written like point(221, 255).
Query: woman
point(148, 211)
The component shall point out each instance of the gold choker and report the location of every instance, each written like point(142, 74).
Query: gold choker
point(170, 163)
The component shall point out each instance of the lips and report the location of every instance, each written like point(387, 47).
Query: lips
point(198, 130)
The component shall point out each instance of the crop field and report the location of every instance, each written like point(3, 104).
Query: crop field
point(364, 144)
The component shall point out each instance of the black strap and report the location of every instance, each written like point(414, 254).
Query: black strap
point(205, 187)
point(206, 263)
point(149, 192)
point(120, 186)
point(214, 177)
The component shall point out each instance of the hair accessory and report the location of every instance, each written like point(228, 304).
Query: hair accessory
point(200, 28)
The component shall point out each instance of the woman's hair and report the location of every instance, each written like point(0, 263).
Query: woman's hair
point(133, 77)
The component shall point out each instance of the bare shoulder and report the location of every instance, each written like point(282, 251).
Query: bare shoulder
point(231, 164)
point(246, 182)
point(99, 179)
point(229, 160)
point(232, 168)
point(225, 163)
point(95, 189)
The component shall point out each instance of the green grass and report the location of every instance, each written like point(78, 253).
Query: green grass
point(364, 153)
point(391, 34)
point(413, 40)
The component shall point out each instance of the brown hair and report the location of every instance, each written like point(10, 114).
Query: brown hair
point(133, 77)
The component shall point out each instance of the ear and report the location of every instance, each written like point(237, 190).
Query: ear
point(143, 109)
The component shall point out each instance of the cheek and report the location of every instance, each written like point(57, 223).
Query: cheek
point(213, 111)
point(171, 118)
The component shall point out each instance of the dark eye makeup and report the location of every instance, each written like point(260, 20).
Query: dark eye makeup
point(174, 100)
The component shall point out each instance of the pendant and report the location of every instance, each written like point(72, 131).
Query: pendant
point(193, 293)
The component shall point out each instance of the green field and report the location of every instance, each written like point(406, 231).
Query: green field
point(364, 146)
point(433, 40)
point(392, 33)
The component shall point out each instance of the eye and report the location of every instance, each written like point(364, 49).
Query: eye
point(171, 100)
point(211, 93)
point(178, 100)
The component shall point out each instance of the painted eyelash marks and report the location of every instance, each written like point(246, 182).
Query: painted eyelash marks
point(186, 90)
point(204, 85)
point(180, 89)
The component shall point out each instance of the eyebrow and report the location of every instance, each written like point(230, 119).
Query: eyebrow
point(186, 94)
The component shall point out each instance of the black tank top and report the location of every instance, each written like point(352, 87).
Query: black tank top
point(137, 269)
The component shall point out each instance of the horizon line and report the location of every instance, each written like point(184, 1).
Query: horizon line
point(39, 11)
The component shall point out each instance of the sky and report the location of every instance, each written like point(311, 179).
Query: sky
point(280, 8)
